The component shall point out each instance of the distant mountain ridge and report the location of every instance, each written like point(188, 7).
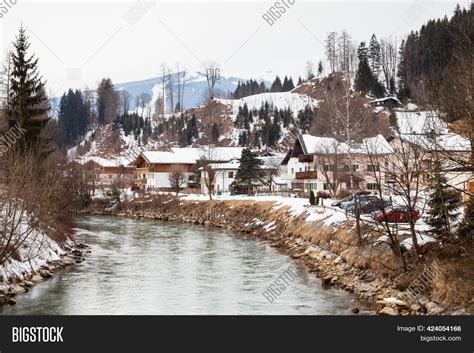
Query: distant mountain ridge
point(195, 88)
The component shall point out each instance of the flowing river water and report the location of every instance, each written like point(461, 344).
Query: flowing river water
point(153, 267)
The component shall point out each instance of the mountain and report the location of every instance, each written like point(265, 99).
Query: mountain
point(195, 88)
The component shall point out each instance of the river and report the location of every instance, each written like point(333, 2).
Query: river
point(154, 267)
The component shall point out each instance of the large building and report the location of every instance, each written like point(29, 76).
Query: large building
point(154, 168)
point(325, 164)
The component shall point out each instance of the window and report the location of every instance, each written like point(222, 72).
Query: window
point(372, 186)
point(373, 168)
point(231, 175)
point(310, 186)
point(329, 167)
point(292, 170)
point(352, 168)
point(328, 186)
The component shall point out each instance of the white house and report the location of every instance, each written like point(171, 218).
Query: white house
point(225, 174)
point(153, 168)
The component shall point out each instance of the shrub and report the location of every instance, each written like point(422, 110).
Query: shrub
point(312, 198)
point(343, 193)
point(323, 195)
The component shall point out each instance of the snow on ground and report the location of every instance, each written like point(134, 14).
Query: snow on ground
point(416, 127)
point(37, 250)
point(326, 214)
point(422, 239)
point(279, 100)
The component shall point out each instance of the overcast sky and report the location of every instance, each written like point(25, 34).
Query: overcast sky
point(78, 43)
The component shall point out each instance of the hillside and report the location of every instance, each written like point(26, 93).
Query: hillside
point(265, 121)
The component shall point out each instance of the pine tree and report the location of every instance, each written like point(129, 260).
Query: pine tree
point(285, 84)
point(290, 84)
point(364, 78)
point(28, 104)
point(312, 198)
point(466, 227)
point(320, 68)
point(276, 85)
point(107, 102)
point(249, 172)
point(365, 81)
point(444, 204)
point(374, 56)
point(392, 120)
point(215, 134)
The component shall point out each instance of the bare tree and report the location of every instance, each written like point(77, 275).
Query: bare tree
point(125, 98)
point(404, 170)
point(164, 69)
point(330, 162)
point(35, 199)
point(145, 104)
point(171, 90)
point(177, 179)
point(331, 50)
point(377, 159)
point(270, 172)
point(309, 70)
point(207, 156)
point(343, 50)
point(5, 79)
point(388, 56)
point(213, 74)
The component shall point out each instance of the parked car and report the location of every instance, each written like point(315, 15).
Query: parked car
point(338, 203)
point(371, 204)
point(397, 215)
point(342, 203)
point(368, 204)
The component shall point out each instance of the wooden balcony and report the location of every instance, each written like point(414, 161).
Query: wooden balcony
point(139, 182)
point(305, 158)
point(307, 175)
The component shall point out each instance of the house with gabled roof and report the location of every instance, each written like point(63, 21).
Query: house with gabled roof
point(324, 164)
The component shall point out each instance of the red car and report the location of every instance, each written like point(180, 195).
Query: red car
point(397, 215)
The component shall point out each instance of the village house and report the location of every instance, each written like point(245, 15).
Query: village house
point(429, 133)
point(387, 102)
point(153, 168)
point(225, 174)
point(324, 164)
point(107, 171)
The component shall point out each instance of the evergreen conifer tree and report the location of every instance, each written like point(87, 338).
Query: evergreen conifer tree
point(249, 172)
point(27, 103)
point(444, 204)
point(276, 85)
point(320, 68)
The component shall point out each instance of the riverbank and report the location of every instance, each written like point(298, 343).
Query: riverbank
point(19, 276)
point(323, 240)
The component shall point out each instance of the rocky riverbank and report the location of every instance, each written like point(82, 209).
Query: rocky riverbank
point(323, 242)
point(22, 283)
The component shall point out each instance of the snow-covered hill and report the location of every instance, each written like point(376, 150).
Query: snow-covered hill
point(279, 100)
point(195, 88)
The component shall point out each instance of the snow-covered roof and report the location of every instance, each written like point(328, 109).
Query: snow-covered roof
point(216, 153)
point(232, 165)
point(386, 99)
point(374, 145)
point(160, 157)
point(427, 130)
point(192, 155)
point(315, 144)
point(104, 162)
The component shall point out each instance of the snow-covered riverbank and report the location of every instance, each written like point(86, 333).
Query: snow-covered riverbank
point(322, 238)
